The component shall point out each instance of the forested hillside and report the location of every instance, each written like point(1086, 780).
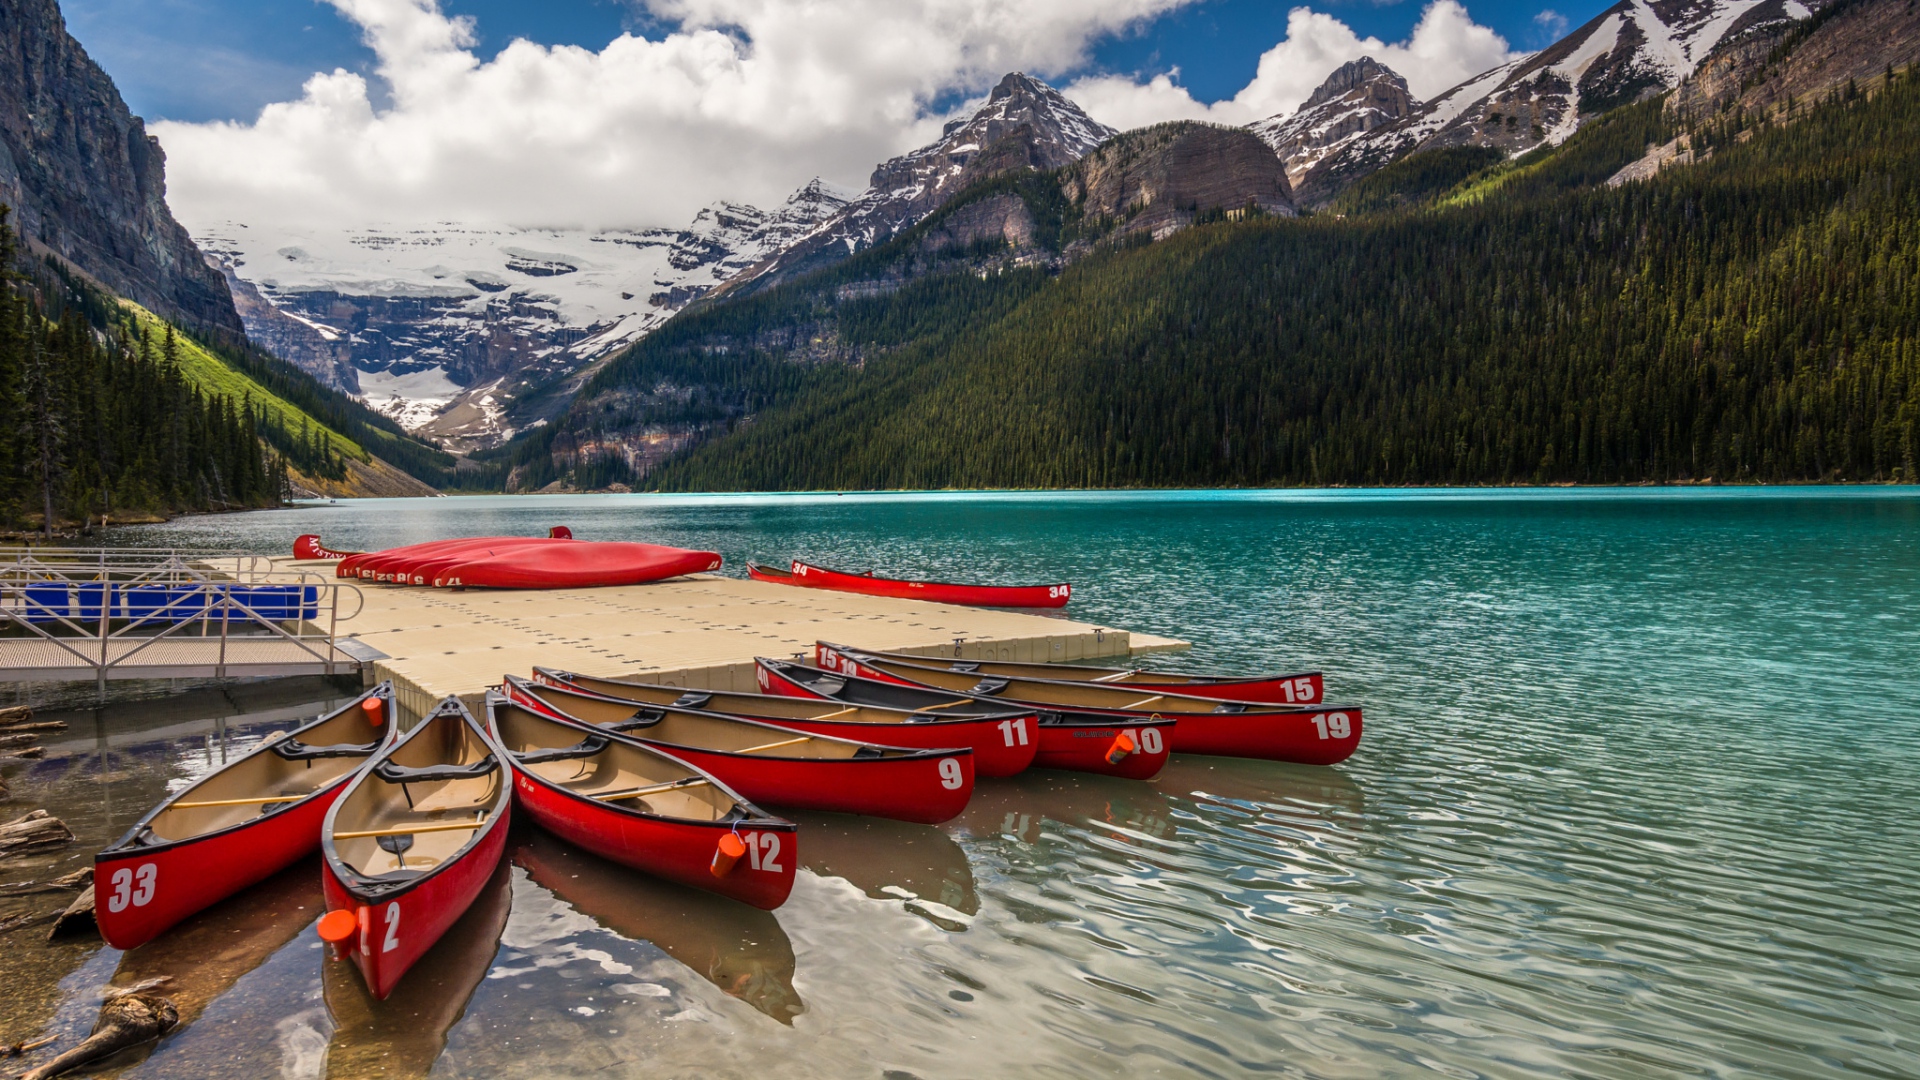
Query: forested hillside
point(1755, 317)
point(102, 425)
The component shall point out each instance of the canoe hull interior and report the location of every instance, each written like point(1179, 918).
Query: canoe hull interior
point(396, 931)
point(1304, 688)
point(679, 851)
point(1003, 745)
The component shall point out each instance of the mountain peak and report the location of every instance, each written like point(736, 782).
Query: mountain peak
point(1358, 97)
point(1351, 74)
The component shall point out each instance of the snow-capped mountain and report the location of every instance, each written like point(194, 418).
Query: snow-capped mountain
point(448, 327)
point(1024, 124)
point(1358, 97)
point(1633, 49)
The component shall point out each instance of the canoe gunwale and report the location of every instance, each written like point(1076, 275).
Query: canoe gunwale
point(756, 816)
point(127, 848)
point(352, 882)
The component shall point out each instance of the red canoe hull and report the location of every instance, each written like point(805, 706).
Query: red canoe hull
point(1020, 596)
point(396, 932)
point(922, 788)
point(139, 895)
point(1305, 688)
point(1303, 736)
point(679, 851)
point(1086, 747)
point(309, 547)
point(575, 564)
point(1002, 746)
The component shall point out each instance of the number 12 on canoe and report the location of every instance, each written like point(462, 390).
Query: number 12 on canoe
point(1332, 725)
point(763, 851)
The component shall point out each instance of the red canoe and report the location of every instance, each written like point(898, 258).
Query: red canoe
point(997, 751)
point(1322, 735)
point(412, 841)
point(309, 547)
point(818, 577)
point(643, 807)
point(1083, 740)
point(775, 765)
point(244, 822)
point(1302, 688)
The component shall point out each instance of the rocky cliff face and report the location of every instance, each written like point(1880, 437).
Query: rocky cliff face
point(1025, 124)
point(1357, 98)
point(1162, 178)
point(1632, 50)
point(86, 181)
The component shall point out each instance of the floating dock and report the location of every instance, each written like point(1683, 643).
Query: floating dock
point(701, 632)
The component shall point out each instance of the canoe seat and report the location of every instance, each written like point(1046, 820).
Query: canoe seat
point(988, 686)
point(693, 699)
point(828, 685)
point(295, 750)
point(966, 666)
point(586, 747)
point(1230, 707)
point(394, 773)
point(867, 751)
point(643, 718)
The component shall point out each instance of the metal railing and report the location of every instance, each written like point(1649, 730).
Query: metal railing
point(104, 613)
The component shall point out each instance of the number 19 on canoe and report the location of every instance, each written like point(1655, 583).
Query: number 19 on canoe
point(1333, 725)
point(1013, 730)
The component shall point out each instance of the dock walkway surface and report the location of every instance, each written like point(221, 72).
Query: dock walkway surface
point(700, 631)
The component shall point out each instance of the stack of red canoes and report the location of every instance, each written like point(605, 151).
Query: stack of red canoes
point(515, 562)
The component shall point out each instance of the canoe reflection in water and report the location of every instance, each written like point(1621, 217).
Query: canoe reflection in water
point(210, 951)
point(737, 947)
point(894, 860)
point(403, 1035)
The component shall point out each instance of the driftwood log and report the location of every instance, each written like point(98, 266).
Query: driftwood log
point(130, 1017)
point(29, 754)
point(34, 832)
point(79, 879)
point(8, 741)
point(44, 725)
point(77, 919)
point(16, 714)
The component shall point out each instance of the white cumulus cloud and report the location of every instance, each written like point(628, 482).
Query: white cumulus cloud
point(741, 99)
point(1445, 49)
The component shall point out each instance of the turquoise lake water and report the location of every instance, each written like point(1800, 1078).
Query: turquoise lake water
point(1639, 796)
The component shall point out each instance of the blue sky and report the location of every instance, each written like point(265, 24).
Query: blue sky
point(198, 60)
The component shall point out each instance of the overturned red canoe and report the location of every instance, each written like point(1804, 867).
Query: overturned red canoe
point(576, 564)
point(997, 738)
point(817, 577)
point(308, 546)
point(1303, 688)
point(777, 765)
point(236, 826)
point(642, 807)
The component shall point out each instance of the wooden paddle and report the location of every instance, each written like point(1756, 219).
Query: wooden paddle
point(690, 782)
point(774, 745)
point(241, 802)
point(408, 830)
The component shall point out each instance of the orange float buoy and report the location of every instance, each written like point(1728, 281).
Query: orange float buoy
point(1122, 746)
point(371, 707)
point(729, 852)
point(337, 927)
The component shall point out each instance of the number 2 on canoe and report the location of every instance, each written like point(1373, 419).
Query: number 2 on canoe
point(763, 851)
point(392, 941)
point(950, 773)
point(1333, 725)
point(132, 887)
point(1014, 729)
